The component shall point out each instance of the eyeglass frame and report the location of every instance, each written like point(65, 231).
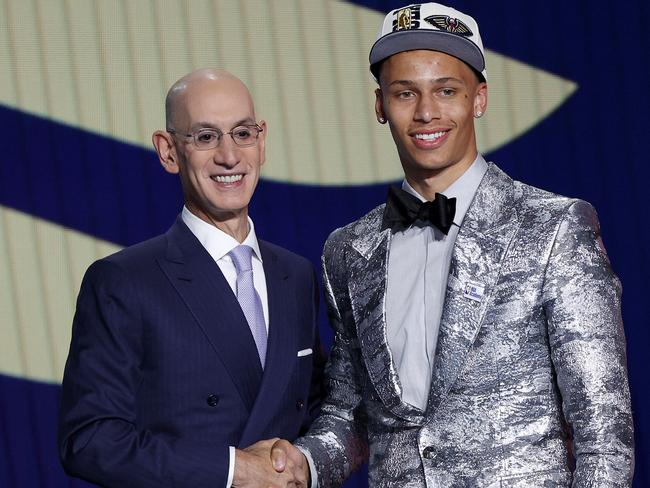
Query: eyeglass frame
point(220, 135)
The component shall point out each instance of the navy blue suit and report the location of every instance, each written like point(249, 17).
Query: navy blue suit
point(163, 374)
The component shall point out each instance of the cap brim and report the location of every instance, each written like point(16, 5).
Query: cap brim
point(434, 40)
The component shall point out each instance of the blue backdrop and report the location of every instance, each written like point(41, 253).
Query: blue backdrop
point(593, 147)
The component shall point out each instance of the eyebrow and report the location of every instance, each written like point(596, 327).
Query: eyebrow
point(210, 125)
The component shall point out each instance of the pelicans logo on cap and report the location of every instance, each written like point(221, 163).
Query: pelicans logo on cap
point(450, 24)
point(407, 18)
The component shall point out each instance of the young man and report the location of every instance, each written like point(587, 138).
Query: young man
point(195, 344)
point(478, 334)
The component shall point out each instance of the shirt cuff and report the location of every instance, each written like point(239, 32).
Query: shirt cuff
point(231, 466)
point(312, 467)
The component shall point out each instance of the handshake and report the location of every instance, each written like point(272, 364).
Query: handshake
point(273, 463)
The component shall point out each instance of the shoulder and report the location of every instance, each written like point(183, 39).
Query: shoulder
point(535, 205)
point(541, 214)
point(141, 254)
point(497, 185)
point(541, 205)
point(367, 226)
point(282, 254)
point(136, 260)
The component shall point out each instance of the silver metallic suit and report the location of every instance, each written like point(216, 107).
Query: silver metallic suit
point(530, 369)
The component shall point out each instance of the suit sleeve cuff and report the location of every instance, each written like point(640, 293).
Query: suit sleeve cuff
point(231, 466)
point(312, 467)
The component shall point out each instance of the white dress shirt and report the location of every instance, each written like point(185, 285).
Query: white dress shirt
point(418, 266)
point(219, 244)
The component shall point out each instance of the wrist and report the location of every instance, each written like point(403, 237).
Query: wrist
point(240, 467)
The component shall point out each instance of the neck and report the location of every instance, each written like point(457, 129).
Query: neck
point(428, 183)
point(233, 224)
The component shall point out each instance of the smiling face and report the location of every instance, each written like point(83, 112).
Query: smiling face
point(217, 183)
point(429, 99)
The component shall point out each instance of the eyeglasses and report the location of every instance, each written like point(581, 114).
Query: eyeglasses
point(204, 139)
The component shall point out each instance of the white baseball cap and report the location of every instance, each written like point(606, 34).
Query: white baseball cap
point(430, 26)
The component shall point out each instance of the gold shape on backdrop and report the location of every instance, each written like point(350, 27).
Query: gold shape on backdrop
point(105, 67)
point(41, 267)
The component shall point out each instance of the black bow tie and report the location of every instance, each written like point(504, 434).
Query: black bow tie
point(404, 210)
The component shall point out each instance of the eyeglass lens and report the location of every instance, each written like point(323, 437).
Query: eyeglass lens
point(242, 135)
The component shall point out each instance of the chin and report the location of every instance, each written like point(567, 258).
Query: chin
point(426, 166)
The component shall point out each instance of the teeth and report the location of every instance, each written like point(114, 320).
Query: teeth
point(227, 178)
point(429, 137)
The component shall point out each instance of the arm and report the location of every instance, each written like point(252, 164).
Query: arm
point(337, 440)
point(582, 305)
point(99, 438)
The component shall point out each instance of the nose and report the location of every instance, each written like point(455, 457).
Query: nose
point(426, 109)
point(227, 153)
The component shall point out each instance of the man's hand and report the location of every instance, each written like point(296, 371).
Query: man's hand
point(253, 468)
point(285, 456)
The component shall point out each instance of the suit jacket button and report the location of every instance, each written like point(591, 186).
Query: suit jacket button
point(429, 453)
point(212, 400)
point(300, 404)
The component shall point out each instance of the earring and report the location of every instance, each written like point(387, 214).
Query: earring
point(478, 114)
point(381, 120)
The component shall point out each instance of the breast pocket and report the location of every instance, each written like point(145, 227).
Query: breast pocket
point(297, 398)
point(302, 370)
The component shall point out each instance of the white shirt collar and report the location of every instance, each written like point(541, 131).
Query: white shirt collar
point(216, 241)
point(463, 189)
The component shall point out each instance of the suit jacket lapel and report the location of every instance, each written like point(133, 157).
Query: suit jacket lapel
point(205, 291)
point(483, 239)
point(281, 348)
point(367, 271)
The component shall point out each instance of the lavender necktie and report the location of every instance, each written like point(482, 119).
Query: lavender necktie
point(248, 298)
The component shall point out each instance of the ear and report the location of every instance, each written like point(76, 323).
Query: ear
point(379, 106)
point(480, 98)
point(166, 150)
point(261, 144)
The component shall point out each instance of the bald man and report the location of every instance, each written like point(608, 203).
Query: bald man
point(191, 346)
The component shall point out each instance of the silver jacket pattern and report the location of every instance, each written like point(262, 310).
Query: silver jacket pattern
point(529, 386)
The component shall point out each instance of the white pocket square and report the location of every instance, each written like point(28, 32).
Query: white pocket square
point(305, 352)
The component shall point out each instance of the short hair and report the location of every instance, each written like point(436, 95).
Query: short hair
point(375, 69)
